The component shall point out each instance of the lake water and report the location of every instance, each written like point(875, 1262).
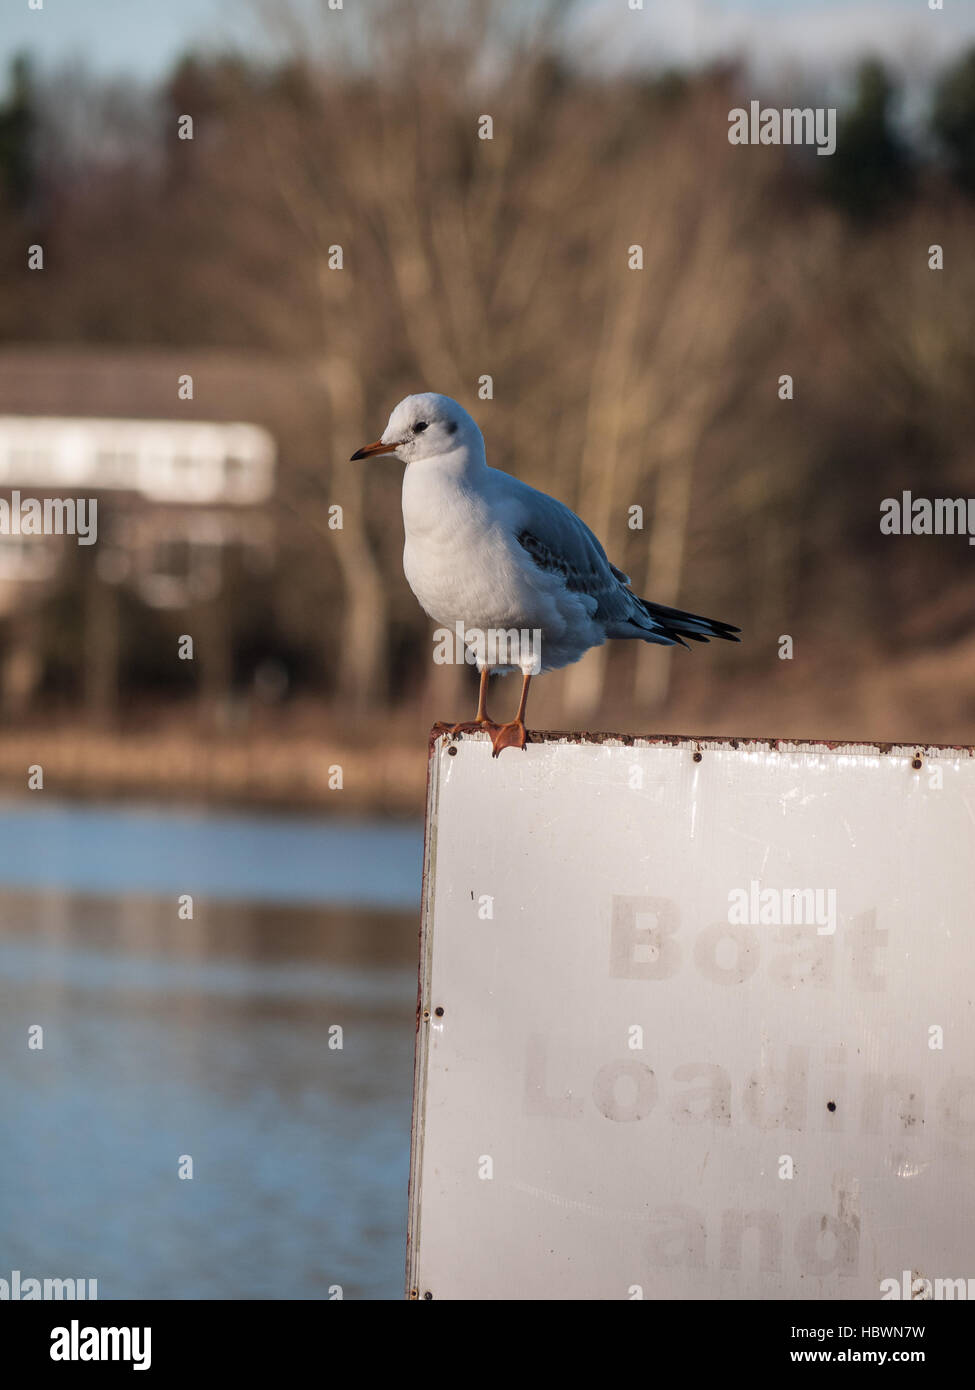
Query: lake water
point(208, 1038)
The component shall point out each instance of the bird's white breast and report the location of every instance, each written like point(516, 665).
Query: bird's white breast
point(456, 557)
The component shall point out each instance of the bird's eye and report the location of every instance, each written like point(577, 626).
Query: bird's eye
point(420, 425)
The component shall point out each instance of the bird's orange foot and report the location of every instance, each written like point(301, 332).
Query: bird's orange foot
point(513, 735)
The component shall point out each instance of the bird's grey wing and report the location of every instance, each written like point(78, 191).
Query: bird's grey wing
point(560, 544)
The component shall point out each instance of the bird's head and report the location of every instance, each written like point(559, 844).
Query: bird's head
point(422, 427)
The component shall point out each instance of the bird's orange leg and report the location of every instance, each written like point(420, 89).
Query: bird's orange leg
point(514, 735)
point(481, 719)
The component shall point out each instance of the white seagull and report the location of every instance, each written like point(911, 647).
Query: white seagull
point(514, 570)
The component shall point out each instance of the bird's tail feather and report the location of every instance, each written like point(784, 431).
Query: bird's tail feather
point(675, 624)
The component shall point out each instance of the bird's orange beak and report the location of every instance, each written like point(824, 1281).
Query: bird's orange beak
point(379, 447)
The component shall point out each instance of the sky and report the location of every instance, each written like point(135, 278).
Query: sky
point(137, 38)
point(813, 34)
point(141, 38)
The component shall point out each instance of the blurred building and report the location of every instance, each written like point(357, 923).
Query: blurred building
point(171, 491)
point(181, 487)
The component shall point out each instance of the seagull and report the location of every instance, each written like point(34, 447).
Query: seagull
point(512, 569)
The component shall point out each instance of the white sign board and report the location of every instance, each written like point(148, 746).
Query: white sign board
point(696, 1021)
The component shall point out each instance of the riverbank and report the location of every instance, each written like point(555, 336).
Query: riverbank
point(308, 756)
point(290, 770)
